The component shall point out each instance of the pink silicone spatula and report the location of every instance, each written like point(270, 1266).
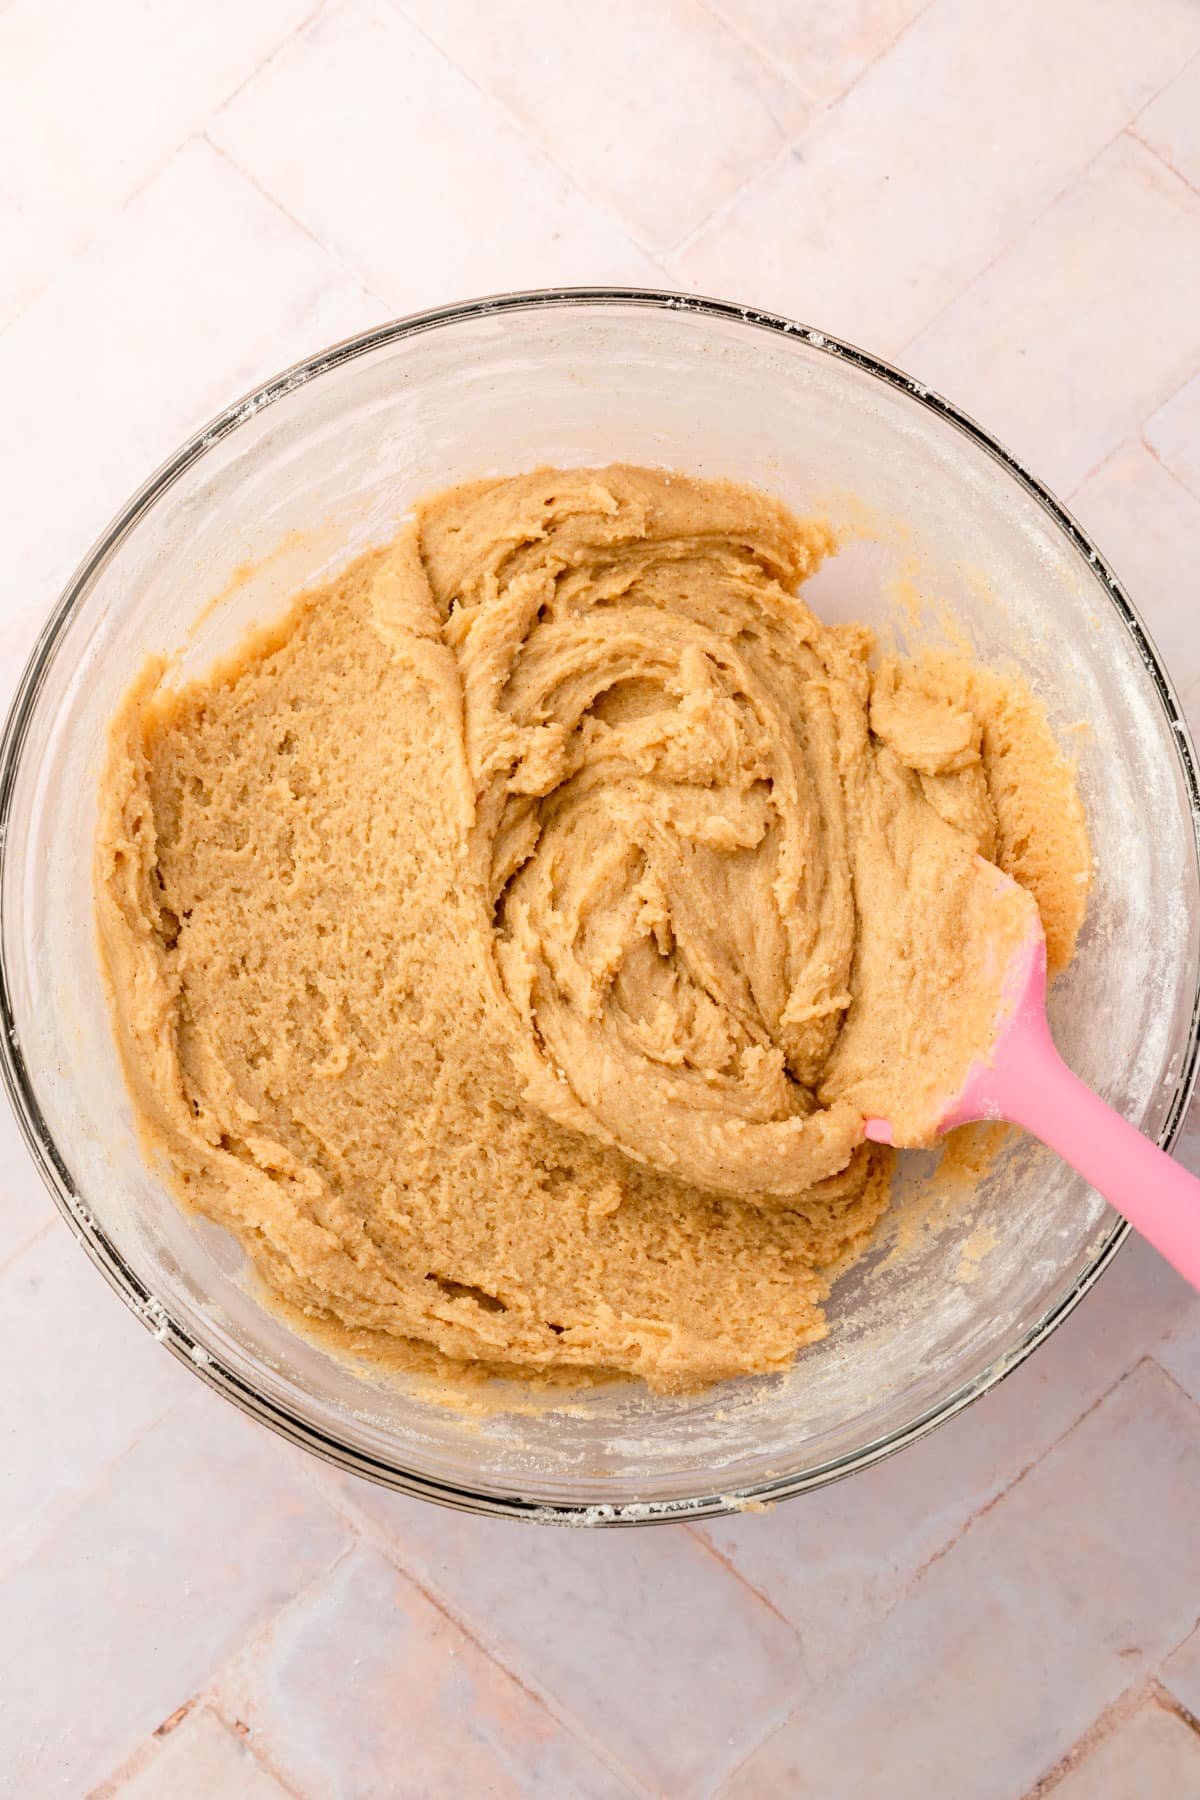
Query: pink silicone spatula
point(1020, 1077)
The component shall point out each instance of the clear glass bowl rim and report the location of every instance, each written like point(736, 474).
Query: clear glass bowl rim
point(52, 1165)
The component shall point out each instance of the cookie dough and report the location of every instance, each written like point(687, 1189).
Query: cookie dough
point(508, 945)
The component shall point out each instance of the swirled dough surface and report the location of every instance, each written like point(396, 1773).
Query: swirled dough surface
point(509, 944)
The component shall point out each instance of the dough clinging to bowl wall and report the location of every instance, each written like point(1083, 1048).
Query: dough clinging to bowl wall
point(508, 944)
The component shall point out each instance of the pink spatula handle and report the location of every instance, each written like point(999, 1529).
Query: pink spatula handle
point(1032, 1086)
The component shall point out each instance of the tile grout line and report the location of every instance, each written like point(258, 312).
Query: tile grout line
point(743, 1762)
point(1149, 1691)
point(51, 1518)
point(335, 257)
point(778, 71)
point(1159, 156)
point(35, 1237)
point(780, 1718)
point(146, 1754)
point(1192, 1633)
point(114, 1784)
point(289, 37)
point(105, 227)
point(533, 143)
point(725, 206)
point(797, 141)
point(374, 1535)
point(771, 1728)
point(775, 65)
point(1171, 1702)
point(1129, 129)
point(205, 1695)
point(1019, 236)
point(1101, 463)
point(956, 1537)
point(1187, 63)
point(1166, 468)
point(1136, 440)
point(1002, 1493)
point(246, 1647)
point(245, 1736)
point(1105, 1725)
point(257, 1635)
point(698, 1535)
point(972, 280)
point(794, 141)
point(1152, 1357)
point(766, 59)
point(364, 1531)
point(198, 132)
point(767, 65)
point(980, 1512)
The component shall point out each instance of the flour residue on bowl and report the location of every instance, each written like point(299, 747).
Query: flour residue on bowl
point(508, 943)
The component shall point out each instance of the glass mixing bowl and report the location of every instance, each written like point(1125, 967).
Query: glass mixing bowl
point(327, 459)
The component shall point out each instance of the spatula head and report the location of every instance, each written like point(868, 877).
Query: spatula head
point(1007, 986)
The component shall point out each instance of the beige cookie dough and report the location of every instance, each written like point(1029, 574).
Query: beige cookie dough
point(508, 945)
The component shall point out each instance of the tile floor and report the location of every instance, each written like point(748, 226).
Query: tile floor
point(1005, 199)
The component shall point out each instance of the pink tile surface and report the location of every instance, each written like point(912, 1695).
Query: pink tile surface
point(1015, 1639)
point(935, 160)
point(1064, 345)
point(200, 289)
point(1181, 1674)
point(1148, 526)
point(1179, 1351)
point(25, 1207)
point(821, 49)
point(1153, 1753)
point(58, 1316)
point(363, 1687)
point(95, 98)
point(1006, 197)
point(443, 227)
point(1173, 433)
point(661, 161)
point(201, 1758)
point(129, 1604)
point(837, 1564)
point(1171, 123)
point(617, 1631)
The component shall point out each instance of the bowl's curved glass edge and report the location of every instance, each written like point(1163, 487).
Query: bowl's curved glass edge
point(57, 1177)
